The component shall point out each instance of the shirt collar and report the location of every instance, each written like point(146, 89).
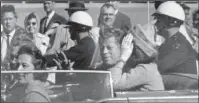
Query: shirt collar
point(116, 11)
point(51, 14)
point(11, 34)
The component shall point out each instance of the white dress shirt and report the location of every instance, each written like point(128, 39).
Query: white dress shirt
point(4, 43)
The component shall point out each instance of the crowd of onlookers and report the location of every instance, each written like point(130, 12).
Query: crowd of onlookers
point(56, 43)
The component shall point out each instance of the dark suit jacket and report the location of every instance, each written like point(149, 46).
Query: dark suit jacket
point(56, 18)
point(122, 21)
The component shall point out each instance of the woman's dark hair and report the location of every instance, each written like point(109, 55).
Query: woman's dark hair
point(37, 60)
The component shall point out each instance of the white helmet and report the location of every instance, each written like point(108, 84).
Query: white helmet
point(81, 17)
point(172, 9)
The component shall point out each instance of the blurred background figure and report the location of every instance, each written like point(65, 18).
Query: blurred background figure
point(30, 59)
point(107, 15)
point(32, 27)
point(122, 21)
point(195, 34)
point(196, 19)
point(187, 13)
point(75, 6)
point(188, 28)
point(51, 17)
point(116, 19)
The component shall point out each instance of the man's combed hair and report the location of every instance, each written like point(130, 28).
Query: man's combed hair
point(107, 5)
point(107, 32)
point(8, 8)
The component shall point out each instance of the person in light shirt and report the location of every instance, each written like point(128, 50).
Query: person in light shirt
point(11, 34)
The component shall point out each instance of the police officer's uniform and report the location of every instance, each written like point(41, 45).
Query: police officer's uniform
point(176, 55)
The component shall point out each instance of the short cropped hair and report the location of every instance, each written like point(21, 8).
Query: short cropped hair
point(8, 8)
point(107, 5)
point(107, 32)
point(37, 60)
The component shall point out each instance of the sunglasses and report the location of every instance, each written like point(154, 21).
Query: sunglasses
point(33, 23)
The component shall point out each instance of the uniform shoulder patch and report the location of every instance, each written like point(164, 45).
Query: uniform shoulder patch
point(176, 46)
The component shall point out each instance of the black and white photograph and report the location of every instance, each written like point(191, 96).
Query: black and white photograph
point(99, 51)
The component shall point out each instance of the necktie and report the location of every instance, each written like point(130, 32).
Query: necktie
point(45, 25)
point(8, 41)
point(4, 47)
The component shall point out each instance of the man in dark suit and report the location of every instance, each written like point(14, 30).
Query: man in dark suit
point(51, 17)
point(11, 35)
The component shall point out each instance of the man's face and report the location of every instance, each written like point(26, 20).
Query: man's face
point(108, 16)
point(73, 31)
point(9, 21)
point(161, 25)
point(186, 11)
point(110, 51)
point(48, 6)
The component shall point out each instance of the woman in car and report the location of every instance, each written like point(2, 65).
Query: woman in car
point(30, 59)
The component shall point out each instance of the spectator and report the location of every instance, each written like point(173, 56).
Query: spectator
point(196, 19)
point(29, 59)
point(195, 28)
point(51, 17)
point(115, 52)
point(120, 20)
point(186, 28)
point(32, 25)
point(11, 33)
point(187, 14)
point(76, 6)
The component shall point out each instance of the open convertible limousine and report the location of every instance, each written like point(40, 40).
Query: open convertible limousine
point(82, 86)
